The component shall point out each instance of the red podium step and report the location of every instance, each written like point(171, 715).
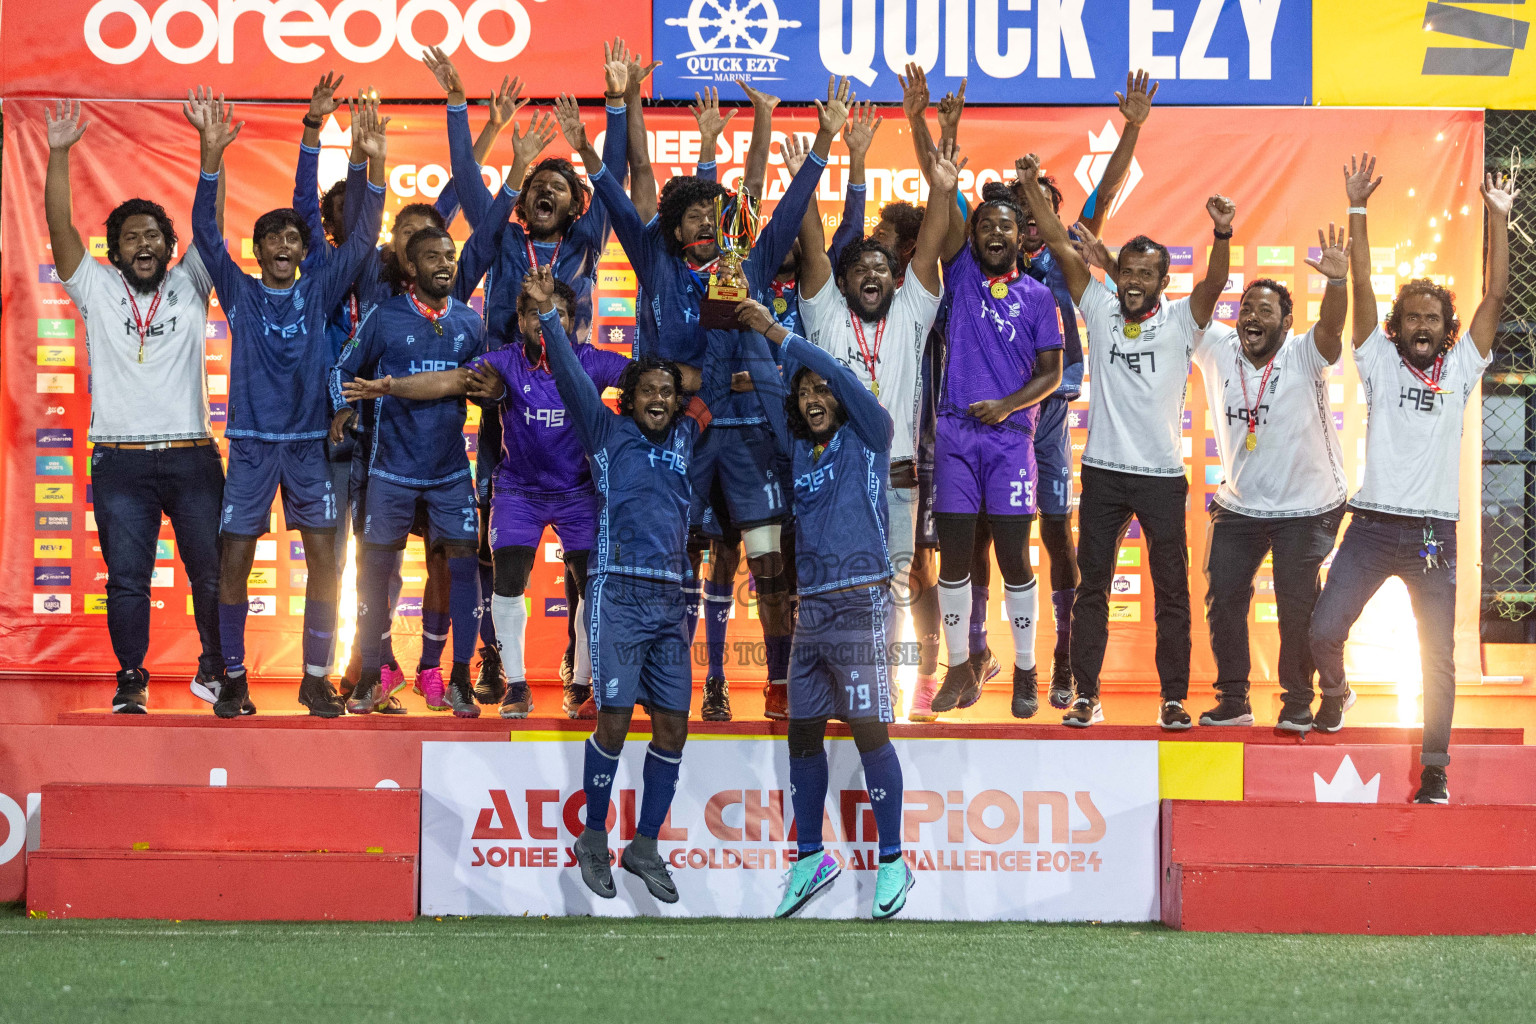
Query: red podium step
point(1264, 866)
point(226, 853)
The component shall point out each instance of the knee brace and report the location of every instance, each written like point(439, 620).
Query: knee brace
point(806, 736)
point(762, 540)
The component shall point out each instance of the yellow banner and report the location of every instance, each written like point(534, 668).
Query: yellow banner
point(1412, 53)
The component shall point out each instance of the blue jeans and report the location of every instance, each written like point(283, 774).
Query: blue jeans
point(1375, 549)
point(132, 488)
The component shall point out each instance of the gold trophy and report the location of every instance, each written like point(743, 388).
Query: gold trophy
point(736, 226)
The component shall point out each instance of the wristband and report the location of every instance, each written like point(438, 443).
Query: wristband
point(1357, 209)
point(1338, 280)
point(613, 95)
point(310, 121)
point(1221, 236)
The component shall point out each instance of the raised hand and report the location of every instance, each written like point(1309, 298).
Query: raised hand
point(944, 169)
point(1136, 101)
point(527, 146)
point(568, 114)
point(322, 99)
point(1026, 169)
point(615, 67)
point(540, 285)
point(706, 111)
point(950, 109)
point(754, 316)
point(212, 118)
point(507, 102)
point(447, 75)
point(761, 101)
point(1357, 179)
point(1092, 248)
point(65, 126)
point(1499, 194)
point(368, 128)
point(793, 149)
point(1333, 263)
point(833, 114)
point(914, 92)
point(635, 74)
point(1222, 210)
point(361, 390)
point(859, 132)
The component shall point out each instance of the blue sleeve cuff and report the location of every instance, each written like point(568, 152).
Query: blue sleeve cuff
point(209, 177)
point(509, 190)
point(375, 189)
point(819, 160)
point(456, 107)
point(616, 110)
point(553, 314)
point(706, 165)
point(308, 149)
point(357, 167)
point(856, 188)
point(594, 175)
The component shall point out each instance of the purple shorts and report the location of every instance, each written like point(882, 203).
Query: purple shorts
point(977, 468)
point(518, 519)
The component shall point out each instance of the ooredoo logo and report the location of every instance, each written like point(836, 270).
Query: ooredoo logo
point(360, 31)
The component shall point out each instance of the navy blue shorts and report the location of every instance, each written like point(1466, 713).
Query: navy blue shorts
point(390, 510)
point(637, 633)
point(1053, 457)
point(753, 476)
point(840, 666)
point(257, 469)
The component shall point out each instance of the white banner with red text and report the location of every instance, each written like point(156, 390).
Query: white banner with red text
point(993, 829)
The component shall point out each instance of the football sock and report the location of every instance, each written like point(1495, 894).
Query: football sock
point(718, 598)
point(464, 606)
point(319, 636)
point(373, 573)
point(1023, 607)
point(511, 615)
point(691, 592)
point(581, 667)
point(232, 636)
point(978, 632)
point(882, 778)
point(955, 610)
point(660, 776)
point(1062, 600)
point(598, 769)
point(487, 620)
point(808, 794)
point(434, 634)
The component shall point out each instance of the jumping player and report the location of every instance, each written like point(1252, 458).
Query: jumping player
point(277, 410)
point(841, 457)
point(1418, 375)
point(416, 455)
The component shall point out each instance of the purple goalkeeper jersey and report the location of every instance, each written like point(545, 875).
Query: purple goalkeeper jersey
point(540, 452)
point(993, 343)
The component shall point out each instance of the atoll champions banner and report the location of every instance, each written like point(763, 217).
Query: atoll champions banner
point(1014, 830)
point(1425, 221)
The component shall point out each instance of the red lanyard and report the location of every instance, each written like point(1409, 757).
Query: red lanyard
point(1253, 410)
point(431, 314)
point(871, 358)
point(1132, 328)
point(355, 312)
point(781, 304)
point(1431, 382)
point(533, 257)
point(999, 285)
point(143, 324)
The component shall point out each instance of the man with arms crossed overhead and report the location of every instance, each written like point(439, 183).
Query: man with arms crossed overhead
point(1418, 372)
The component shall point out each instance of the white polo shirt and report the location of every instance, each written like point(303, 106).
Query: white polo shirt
point(1297, 466)
point(164, 398)
point(1137, 386)
point(898, 364)
point(1413, 436)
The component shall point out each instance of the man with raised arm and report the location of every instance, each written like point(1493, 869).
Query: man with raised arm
point(1418, 370)
point(278, 419)
point(1139, 348)
point(1283, 488)
point(153, 449)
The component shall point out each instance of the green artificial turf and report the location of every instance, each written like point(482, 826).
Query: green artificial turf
point(493, 969)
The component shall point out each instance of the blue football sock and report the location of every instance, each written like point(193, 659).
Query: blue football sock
point(319, 636)
point(464, 606)
point(434, 635)
point(808, 794)
point(718, 598)
point(487, 624)
point(232, 636)
point(882, 778)
point(1062, 600)
point(373, 607)
point(978, 641)
point(598, 770)
point(660, 775)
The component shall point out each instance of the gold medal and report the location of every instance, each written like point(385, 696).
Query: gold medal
point(1132, 330)
point(780, 304)
point(1252, 442)
point(874, 388)
point(999, 289)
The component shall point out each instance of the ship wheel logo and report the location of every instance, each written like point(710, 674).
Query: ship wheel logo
point(733, 26)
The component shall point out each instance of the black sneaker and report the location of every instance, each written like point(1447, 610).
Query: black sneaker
point(985, 667)
point(567, 668)
point(460, 696)
point(132, 696)
point(205, 686)
point(1433, 787)
point(1085, 711)
point(1173, 717)
point(576, 694)
point(591, 850)
point(716, 706)
point(1025, 699)
point(1061, 683)
point(517, 701)
point(959, 690)
point(1295, 718)
point(491, 684)
point(1228, 711)
point(1330, 711)
point(642, 858)
point(317, 694)
point(233, 693)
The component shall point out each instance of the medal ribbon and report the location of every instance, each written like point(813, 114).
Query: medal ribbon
point(870, 358)
point(1253, 411)
point(533, 256)
point(1003, 279)
point(432, 315)
point(143, 324)
point(355, 312)
point(1430, 381)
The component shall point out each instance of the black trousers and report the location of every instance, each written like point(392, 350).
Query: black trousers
point(1234, 551)
point(1109, 501)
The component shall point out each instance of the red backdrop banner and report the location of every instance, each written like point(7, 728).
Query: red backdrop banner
point(151, 49)
point(1425, 221)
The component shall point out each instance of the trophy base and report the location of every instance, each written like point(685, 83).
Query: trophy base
point(718, 312)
